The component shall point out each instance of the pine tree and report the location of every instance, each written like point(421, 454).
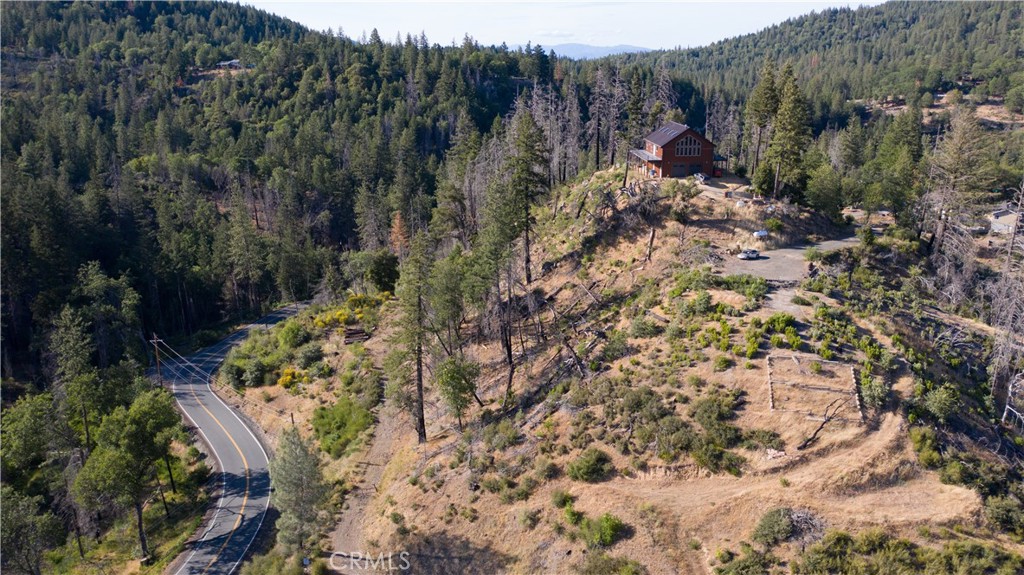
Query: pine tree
point(825, 191)
point(636, 121)
point(413, 292)
point(76, 379)
point(299, 488)
point(247, 255)
point(526, 179)
point(762, 106)
point(456, 382)
point(791, 133)
point(959, 176)
point(851, 141)
point(447, 300)
point(452, 214)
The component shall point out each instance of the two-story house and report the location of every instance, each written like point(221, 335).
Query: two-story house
point(674, 151)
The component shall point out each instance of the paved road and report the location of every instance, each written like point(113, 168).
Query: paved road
point(245, 475)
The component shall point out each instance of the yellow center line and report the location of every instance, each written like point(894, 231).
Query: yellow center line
point(245, 497)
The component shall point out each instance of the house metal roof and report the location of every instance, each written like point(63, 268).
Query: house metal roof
point(645, 155)
point(666, 133)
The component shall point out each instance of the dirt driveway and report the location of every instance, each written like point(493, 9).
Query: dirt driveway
point(783, 264)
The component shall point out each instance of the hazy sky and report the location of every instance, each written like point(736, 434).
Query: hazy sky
point(644, 24)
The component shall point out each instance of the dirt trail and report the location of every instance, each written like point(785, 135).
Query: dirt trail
point(348, 536)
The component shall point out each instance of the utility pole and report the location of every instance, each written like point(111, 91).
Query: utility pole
point(156, 348)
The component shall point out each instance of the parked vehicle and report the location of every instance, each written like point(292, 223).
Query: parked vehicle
point(749, 255)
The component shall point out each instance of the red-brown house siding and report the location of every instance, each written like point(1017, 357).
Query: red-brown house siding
point(688, 164)
point(684, 165)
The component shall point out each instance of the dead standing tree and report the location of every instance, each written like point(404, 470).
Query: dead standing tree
point(644, 209)
point(959, 178)
point(606, 103)
point(1006, 295)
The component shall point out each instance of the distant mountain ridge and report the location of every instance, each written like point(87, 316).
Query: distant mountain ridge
point(587, 51)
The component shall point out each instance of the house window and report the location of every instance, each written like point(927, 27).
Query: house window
point(688, 146)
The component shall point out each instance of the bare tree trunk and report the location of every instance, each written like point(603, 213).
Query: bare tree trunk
point(421, 424)
point(141, 528)
point(170, 473)
point(526, 246)
point(650, 244)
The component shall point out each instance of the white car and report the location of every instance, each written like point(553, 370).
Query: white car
point(749, 255)
point(759, 234)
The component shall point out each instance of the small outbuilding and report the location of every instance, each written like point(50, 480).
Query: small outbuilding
point(1002, 221)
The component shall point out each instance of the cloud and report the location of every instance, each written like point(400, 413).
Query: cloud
point(556, 34)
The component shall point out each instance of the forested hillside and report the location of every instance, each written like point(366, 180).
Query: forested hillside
point(896, 49)
point(214, 190)
point(173, 168)
point(322, 140)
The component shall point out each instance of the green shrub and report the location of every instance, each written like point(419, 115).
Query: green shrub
point(873, 391)
point(926, 446)
point(273, 563)
point(840, 553)
point(496, 483)
point(291, 334)
point(773, 225)
point(710, 456)
point(643, 327)
point(778, 322)
point(501, 435)
point(675, 331)
point(571, 515)
point(560, 498)
point(1006, 513)
point(762, 438)
point(800, 300)
point(591, 466)
point(337, 426)
point(722, 363)
point(380, 268)
point(308, 354)
point(529, 518)
point(752, 563)
point(545, 468)
point(602, 532)
point(774, 527)
point(520, 492)
point(942, 402)
point(615, 347)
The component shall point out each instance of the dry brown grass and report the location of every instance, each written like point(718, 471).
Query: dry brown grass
point(856, 476)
